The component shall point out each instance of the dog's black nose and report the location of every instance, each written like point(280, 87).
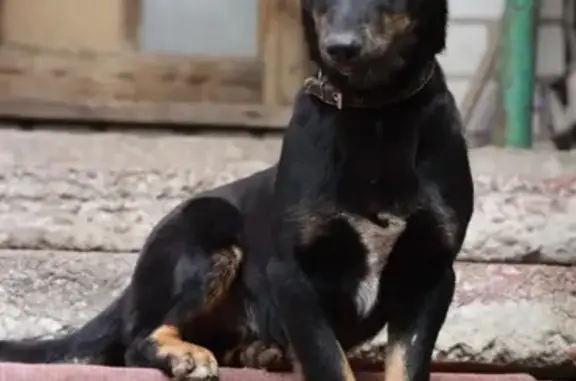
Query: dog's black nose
point(343, 47)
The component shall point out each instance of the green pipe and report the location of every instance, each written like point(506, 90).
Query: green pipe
point(518, 70)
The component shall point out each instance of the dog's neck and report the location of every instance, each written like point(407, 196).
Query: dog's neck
point(321, 87)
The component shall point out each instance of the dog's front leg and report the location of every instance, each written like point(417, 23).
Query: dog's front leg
point(313, 341)
point(414, 327)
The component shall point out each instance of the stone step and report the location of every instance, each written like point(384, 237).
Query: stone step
point(502, 314)
point(515, 219)
point(104, 192)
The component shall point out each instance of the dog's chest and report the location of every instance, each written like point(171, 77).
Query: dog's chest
point(376, 239)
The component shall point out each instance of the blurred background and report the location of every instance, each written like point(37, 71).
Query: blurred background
point(238, 64)
point(114, 111)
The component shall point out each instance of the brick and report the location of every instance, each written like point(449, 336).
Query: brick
point(22, 372)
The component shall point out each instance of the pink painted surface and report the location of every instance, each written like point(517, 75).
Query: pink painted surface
point(25, 372)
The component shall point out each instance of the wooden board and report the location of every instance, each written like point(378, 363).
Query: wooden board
point(163, 114)
point(71, 24)
point(57, 64)
point(87, 76)
point(284, 53)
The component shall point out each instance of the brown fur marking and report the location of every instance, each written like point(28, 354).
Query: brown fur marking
point(258, 355)
point(225, 268)
point(312, 225)
point(345, 365)
point(190, 361)
point(395, 363)
point(378, 237)
point(383, 32)
point(187, 360)
point(396, 23)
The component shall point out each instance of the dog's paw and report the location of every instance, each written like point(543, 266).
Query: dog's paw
point(258, 355)
point(189, 362)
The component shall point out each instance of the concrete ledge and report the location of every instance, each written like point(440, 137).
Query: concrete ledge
point(22, 372)
point(516, 218)
point(519, 316)
point(503, 315)
point(105, 191)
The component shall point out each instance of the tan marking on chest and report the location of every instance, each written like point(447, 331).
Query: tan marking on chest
point(379, 239)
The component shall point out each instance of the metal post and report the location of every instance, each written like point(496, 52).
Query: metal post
point(518, 70)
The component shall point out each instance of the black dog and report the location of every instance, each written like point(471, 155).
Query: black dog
point(356, 227)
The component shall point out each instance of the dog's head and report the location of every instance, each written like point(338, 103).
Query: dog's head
point(364, 42)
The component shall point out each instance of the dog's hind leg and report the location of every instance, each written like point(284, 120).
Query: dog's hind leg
point(165, 348)
point(169, 298)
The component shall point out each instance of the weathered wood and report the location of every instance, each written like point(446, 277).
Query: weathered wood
point(48, 72)
point(132, 23)
point(294, 56)
point(484, 72)
point(87, 76)
point(283, 51)
point(271, 53)
point(155, 113)
point(263, 21)
point(66, 23)
point(2, 21)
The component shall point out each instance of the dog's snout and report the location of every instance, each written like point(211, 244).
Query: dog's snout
point(343, 47)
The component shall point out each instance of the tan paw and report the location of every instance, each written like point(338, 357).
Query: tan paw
point(257, 355)
point(190, 362)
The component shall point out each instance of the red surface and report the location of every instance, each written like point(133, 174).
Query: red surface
point(24, 372)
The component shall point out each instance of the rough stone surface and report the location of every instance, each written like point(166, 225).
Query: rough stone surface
point(46, 292)
point(502, 314)
point(142, 149)
point(519, 219)
point(105, 191)
point(70, 209)
point(49, 207)
point(544, 162)
point(506, 314)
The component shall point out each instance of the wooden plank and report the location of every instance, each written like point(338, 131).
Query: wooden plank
point(2, 23)
point(132, 23)
point(284, 53)
point(154, 113)
point(85, 76)
point(484, 72)
point(263, 20)
point(271, 54)
point(293, 52)
point(65, 23)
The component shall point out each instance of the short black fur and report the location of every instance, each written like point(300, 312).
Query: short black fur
point(357, 226)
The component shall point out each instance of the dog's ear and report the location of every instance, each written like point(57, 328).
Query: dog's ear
point(435, 23)
point(310, 35)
